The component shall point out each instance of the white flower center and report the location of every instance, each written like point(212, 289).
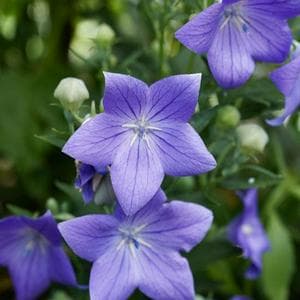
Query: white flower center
point(233, 14)
point(247, 229)
point(34, 240)
point(131, 237)
point(141, 129)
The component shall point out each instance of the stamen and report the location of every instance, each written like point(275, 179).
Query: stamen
point(131, 238)
point(234, 15)
point(141, 129)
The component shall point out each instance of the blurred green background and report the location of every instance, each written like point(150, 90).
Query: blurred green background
point(43, 41)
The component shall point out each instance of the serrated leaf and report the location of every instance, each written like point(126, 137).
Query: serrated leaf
point(279, 263)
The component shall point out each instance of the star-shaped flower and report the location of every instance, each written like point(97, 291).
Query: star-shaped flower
point(140, 251)
point(143, 134)
point(247, 232)
point(32, 251)
point(287, 80)
point(236, 33)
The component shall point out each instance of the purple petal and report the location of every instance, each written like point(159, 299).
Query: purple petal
point(29, 272)
point(11, 233)
point(124, 96)
point(46, 226)
point(85, 174)
point(269, 38)
point(197, 34)
point(228, 2)
point(229, 58)
point(177, 225)
point(287, 76)
point(182, 151)
point(60, 268)
point(165, 276)
point(136, 175)
point(146, 211)
point(114, 276)
point(96, 141)
point(247, 232)
point(96, 231)
point(278, 8)
point(174, 98)
point(287, 80)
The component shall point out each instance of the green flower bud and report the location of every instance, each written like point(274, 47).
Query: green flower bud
point(228, 116)
point(52, 205)
point(252, 137)
point(71, 92)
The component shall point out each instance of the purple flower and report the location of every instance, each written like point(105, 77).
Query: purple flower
point(240, 297)
point(92, 183)
point(143, 134)
point(32, 251)
point(86, 180)
point(247, 232)
point(287, 80)
point(140, 251)
point(235, 34)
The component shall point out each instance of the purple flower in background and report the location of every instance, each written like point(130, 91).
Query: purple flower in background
point(235, 34)
point(240, 297)
point(140, 251)
point(32, 251)
point(287, 80)
point(143, 134)
point(247, 232)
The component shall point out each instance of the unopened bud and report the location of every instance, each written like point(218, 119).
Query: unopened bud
point(228, 116)
point(71, 92)
point(105, 35)
point(252, 137)
point(52, 205)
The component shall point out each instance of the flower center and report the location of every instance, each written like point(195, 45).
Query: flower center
point(131, 237)
point(233, 14)
point(141, 129)
point(34, 240)
point(247, 229)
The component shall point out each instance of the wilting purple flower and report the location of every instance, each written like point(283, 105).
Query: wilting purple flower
point(247, 232)
point(236, 33)
point(95, 185)
point(287, 80)
point(140, 251)
point(143, 134)
point(87, 180)
point(32, 251)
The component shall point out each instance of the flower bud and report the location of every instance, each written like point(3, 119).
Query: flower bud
point(52, 205)
point(71, 92)
point(228, 116)
point(252, 137)
point(105, 35)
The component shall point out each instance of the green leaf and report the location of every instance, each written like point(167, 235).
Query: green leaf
point(250, 176)
point(279, 263)
point(52, 140)
point(70, 191)
point(202, 119)
point(16, 210)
